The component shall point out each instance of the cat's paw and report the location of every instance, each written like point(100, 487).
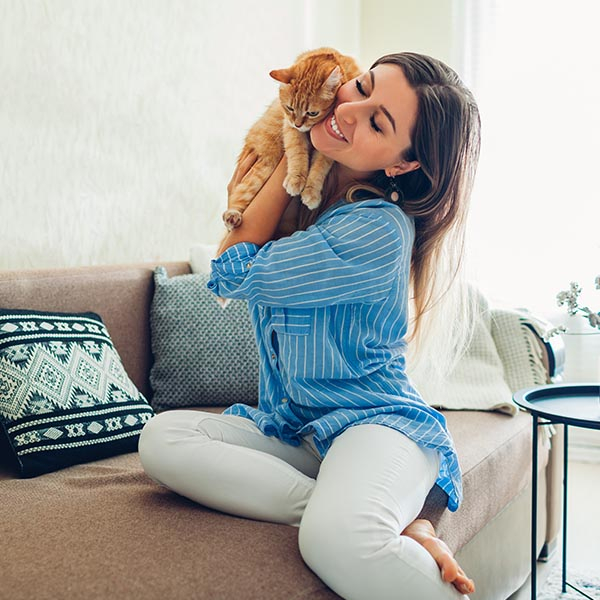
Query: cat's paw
point(232, 218)
point(294, 183)
point(311, 197)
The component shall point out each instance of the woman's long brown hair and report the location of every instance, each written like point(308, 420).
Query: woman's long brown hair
point(445, 140)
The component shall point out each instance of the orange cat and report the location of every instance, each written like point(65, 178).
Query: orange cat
point(306, 94)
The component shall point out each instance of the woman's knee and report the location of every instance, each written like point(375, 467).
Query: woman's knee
point(150, 444)
point(333, 543)
point(158, 441)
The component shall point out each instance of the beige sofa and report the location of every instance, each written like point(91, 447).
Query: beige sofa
point(104, 530)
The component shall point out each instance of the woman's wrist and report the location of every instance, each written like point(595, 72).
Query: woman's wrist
point(263, 214)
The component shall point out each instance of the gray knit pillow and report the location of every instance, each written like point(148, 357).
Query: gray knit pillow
point(204, 355)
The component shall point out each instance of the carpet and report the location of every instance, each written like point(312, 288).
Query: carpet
point(586, 581)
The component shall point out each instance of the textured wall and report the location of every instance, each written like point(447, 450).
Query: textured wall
point(120, 121)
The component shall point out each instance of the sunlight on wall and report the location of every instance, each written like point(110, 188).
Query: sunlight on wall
point(535, 219)
point(121, 121)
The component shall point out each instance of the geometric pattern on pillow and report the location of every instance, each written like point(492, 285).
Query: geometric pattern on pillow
point(65, 397)
point(204, 354)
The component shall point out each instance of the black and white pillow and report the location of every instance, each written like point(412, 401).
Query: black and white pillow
point(65, 397)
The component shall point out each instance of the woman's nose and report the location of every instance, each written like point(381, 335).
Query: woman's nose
point(346, 111)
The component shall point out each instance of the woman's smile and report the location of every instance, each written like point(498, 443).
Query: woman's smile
point(333, 129)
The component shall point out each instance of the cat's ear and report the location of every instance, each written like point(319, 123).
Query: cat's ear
point(282, 75)
point(332, 83)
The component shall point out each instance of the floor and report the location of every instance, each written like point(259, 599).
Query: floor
point(583, 522)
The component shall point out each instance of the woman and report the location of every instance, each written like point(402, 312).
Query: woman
point(330, 309)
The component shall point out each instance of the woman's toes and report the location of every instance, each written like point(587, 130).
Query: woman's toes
point(422, 531)
point(463, 584)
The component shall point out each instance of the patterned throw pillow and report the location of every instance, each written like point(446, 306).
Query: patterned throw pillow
point(65, 397)
point(204, 355)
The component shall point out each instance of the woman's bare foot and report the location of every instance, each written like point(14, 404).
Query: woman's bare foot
point(423, 532)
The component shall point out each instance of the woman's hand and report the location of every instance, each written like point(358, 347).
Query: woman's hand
point(243, 167)
point(264, 212)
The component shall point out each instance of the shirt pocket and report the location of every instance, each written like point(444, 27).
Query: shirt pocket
point(292, 321)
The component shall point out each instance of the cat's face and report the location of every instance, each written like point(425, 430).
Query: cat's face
point(307, 100)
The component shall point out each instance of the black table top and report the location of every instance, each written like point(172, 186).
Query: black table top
point(571, 404)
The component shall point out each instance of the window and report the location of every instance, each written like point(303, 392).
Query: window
point(535, 221)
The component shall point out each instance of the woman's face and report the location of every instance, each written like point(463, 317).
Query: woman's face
point(370, 125)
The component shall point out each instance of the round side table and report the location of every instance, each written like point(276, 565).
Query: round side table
point(567, 404)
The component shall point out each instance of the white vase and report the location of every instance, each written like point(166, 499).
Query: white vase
point(582, 347)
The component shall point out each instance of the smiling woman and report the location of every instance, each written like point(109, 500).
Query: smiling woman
point(329, 305)
point(362, 134)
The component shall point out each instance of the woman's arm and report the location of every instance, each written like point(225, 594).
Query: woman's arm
point(264, 212)
point(351, 256)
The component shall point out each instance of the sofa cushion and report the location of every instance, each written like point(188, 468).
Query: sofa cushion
point(65, 397)
point(209, 555)
point(123, 536)
point(478, 381)
point(204, 354)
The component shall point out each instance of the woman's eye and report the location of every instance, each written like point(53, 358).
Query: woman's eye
point(312, 113)
point(360, 88)
point(374, 125)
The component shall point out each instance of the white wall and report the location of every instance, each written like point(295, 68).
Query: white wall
point(427, 26)
point(121, 121)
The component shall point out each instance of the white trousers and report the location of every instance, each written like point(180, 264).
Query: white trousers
point(350, 508)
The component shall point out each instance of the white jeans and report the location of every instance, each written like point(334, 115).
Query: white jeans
point(350, 508)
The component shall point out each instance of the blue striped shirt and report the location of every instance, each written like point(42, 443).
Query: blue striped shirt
point(330, 307)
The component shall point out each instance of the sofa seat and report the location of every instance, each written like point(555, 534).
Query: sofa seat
point(105, 530)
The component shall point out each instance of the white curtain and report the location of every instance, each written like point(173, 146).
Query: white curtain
point(534, 67)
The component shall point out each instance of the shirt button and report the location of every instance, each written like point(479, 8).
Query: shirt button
point(248, 265)
point(284, 400)
point(273, 356)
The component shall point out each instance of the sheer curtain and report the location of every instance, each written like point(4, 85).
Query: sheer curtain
point(535, 221)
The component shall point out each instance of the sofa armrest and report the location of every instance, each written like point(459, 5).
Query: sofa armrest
point(529, 356)
point(553, 352)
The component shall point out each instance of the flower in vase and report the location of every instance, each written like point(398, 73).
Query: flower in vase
point(570, 298)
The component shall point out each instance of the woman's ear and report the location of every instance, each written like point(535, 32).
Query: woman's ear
point(404, 166)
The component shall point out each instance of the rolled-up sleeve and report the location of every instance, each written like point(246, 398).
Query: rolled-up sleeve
point(229, 271)
point(349, 258)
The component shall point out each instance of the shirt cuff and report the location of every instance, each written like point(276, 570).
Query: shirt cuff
point(229, 270)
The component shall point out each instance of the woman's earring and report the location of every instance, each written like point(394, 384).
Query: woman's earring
point(392, 194)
